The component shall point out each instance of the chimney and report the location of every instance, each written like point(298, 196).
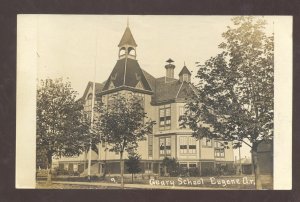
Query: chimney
point(170, 69)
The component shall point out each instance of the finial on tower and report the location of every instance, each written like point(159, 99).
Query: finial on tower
point(127, 21)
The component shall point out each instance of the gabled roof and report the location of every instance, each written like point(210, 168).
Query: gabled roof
point(98, 88)
point(127, 39)
point(127, 72)
point(165, 91)
point(185, 70)
point(170, 90)
point(151, 79)
point(185, 91)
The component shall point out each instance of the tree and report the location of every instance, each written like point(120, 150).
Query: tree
point(61, 129)
point(122, 124)
point(133, 164)
point(234, 98)
point(41, 159)
point(171, 166)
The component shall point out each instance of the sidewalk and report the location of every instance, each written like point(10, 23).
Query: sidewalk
point(138, 186)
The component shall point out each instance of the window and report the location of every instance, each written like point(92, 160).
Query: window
point(122, 51)
point(192, 145)
point(111, 85)
point(183, 145)
point(165, 146)
point(219, 153)
point(75, 167)
point(186, 165)
point(192, 165)
point(186, 77)
point(206, 142)
point(139, 85)
point(165, 117)
point(181, 112)
point(187, 145)
point(218, 144)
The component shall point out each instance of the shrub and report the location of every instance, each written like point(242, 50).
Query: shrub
point(209, 172)
point(194, 172)
point(60, 171)
point(173, 168)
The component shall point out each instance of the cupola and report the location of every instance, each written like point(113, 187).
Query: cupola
point(127, 45)
point(185, 74)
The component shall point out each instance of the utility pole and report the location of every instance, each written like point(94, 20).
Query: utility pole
point(92, 117)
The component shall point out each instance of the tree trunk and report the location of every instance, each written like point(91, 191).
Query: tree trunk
point(132, 178)
point(256, 170)
point(104, 170)
point(165, 170)
point(85, 159)
point(49, 177)
point(122, 169)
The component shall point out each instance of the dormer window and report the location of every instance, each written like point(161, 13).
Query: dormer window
point(186, 77)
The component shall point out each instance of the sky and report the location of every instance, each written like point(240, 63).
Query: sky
point(72, 46)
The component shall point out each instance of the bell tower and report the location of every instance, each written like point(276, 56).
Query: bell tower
point(127, 45)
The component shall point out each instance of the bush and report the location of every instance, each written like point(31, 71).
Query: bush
point(209, 172)
point(194, 172)
point(173, 168)
point(60, 171)
point(219, 170)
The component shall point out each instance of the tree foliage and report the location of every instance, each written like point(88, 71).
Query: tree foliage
point(172, 166)
point(61, 127)
point(133, 164)
point(123, 124)
point(235, 93)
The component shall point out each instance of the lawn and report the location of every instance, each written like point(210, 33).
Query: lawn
point(44, 185)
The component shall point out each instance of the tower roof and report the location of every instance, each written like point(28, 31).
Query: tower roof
point(169, 60)
point(185, 70)
point(127, 72)
point(127, 39)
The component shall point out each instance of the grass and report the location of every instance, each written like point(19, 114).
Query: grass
point(44, 185)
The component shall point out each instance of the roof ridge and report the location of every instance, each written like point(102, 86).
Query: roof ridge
point(147, 79)
point(125, 70)
point(179, 90)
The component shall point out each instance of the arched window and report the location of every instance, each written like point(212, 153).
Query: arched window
point(131, 51)
point(122, 51)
